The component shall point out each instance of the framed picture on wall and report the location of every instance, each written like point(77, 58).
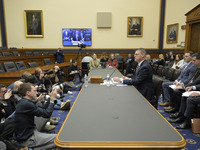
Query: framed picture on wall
point(172, 33)
point(33, 23)
point(135, 26)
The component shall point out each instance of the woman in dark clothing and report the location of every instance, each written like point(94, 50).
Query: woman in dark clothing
point(172, 59)
point(161, 60)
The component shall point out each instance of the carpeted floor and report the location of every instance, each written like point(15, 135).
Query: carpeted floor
point(193, 140)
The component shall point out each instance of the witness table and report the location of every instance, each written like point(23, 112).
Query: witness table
point(115, 118)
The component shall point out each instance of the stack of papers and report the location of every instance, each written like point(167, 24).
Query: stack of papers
point(186, 94)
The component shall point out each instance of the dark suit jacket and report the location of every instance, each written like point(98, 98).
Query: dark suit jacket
point(143, 80)
point(196, 79)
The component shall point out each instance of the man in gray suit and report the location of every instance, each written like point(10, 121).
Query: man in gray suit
point(186, 73)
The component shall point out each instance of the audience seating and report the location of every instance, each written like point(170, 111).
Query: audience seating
point(47, 61)
point(1, 55)
point(1, 69)
point(32, 64)
point(155, 67)
point(36, 53)
point(29, 53)
point(10, 66)
point(46, 53)
point(157, 90)
point(16, 54)
point(6, 54)
point(176, 74)
point(20, 65)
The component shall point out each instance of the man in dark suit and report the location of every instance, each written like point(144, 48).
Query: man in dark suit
point(143, 76)
point(76, 36)
point(187, 108)
point(176, 93)
point(186, 73)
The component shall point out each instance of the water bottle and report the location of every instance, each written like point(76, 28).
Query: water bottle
point(86, 80)
point(108, 80)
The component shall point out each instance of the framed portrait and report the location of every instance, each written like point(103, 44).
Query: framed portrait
point(33, 23)
point(135, 26)
point(172, 33)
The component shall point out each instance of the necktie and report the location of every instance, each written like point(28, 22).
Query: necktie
point(191, 80)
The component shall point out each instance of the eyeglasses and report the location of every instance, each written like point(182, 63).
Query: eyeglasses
point(136, 54)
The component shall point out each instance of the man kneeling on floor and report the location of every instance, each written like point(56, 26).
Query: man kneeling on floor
point(25, 132)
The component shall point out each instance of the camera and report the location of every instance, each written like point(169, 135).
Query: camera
point(82, 45)
point(48, 72)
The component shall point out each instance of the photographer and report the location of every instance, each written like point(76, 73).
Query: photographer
point(59, 73)
point(59, 56)
point(74, 73)
point(43, 79)
point(25, 132)
point(6, 110)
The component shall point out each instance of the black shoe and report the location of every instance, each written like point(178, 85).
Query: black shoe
point(173, 110)
point(184, 125)
point(177, 120)
point(174, 115)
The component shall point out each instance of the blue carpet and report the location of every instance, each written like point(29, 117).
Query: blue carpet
point(62, 114)
point(193, 140)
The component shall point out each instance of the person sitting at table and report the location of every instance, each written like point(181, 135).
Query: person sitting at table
point(187, 108)
point(143, 76)
point(94, 62)
point(112, 62)
point(74, 73)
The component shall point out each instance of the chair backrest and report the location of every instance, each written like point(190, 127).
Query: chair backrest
point(155, 67)
point(36, 53)
point(84, 65)
point(16, 54)
point(47, 61)
point(1, 69)
point(10, 66)
point(20, 65)
point(157, 90)
point(6, 54)
point(46, 53)
point(164, 71)
point(159, 70)
point(29, 54)
point(177, 72)
point(170, 73)
point(32, 64)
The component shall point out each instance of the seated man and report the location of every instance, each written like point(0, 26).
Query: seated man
point(143, 76)
point(74, 73)
point(24, 131)
point(186, 110)
point(176, 93)
point(184, 77)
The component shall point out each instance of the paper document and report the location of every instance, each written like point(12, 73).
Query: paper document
point(186, 94)
point(172, 86)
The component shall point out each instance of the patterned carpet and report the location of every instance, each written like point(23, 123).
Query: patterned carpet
point(193, 140)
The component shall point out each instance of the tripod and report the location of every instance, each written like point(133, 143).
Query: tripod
point(79, 54)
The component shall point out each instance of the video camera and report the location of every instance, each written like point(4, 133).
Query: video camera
point(82, 45)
